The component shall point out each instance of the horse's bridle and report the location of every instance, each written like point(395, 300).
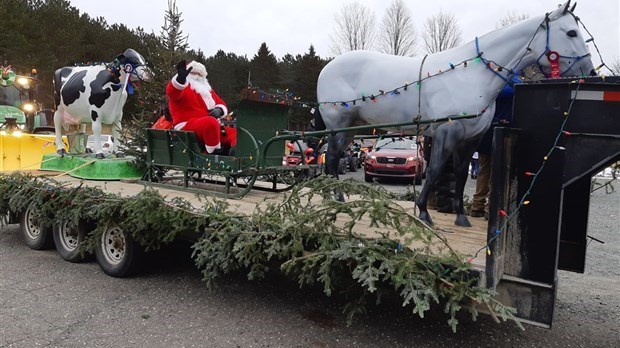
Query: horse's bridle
point(549, 50)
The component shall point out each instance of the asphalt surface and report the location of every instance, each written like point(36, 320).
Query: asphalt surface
point(45, 301)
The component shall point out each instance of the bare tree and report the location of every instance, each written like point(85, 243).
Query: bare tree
point(441, 32)
point(355, 29)
point(397, 35)
point(511, 17)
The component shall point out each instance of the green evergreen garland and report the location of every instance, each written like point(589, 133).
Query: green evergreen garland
point(309, 235)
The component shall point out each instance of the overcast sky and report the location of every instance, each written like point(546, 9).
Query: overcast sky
point(291, 26)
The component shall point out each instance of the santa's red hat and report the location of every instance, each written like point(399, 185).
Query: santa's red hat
point(198, 68)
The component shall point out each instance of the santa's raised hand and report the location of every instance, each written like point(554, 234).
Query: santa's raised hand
point(182, 72)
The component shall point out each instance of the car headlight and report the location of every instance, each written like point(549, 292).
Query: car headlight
point(410, 159)
point(22, 81)
point(373, 157)
point(28, 107)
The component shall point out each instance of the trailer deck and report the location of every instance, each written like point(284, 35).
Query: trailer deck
point(464, 240)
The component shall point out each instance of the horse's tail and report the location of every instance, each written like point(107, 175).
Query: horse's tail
point(319, 125)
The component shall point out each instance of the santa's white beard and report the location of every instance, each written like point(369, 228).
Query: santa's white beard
point(201, 86)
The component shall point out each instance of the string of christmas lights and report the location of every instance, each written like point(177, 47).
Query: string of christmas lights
point(491, 64)
point(281, 97)
point(524, 200)
point(591, 39)
point(418, 83)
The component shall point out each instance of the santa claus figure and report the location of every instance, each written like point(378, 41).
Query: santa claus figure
point(194, 105)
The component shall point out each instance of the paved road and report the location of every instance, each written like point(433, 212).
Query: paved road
point(45, 301)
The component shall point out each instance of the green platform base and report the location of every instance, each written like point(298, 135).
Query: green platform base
point(90, 168)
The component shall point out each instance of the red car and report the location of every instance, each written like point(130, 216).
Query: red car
point(395, 158)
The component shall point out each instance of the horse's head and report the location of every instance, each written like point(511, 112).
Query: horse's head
point(560, 38)
point(133, 63)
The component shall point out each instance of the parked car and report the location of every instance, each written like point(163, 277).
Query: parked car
point(395, 158)
point(107, 143)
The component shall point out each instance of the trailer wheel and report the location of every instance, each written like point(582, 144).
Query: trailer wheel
point(117, 254)
point(37, 235)
point(68, 238)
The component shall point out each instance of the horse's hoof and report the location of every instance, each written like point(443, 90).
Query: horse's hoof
point(462, 220)
point(99, 156)
point(61, 152)
point(120, 154)
point(426, 217)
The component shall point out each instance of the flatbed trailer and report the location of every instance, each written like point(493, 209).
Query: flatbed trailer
point(462, 239)
point(563, 133)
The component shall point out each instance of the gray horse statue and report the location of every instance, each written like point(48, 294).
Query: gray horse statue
point(363, 87)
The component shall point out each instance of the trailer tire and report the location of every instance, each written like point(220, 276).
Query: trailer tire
point(36, 235)
point(117, 254)
point(68, 239)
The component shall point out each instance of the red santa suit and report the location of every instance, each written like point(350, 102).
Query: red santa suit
point(190, 107)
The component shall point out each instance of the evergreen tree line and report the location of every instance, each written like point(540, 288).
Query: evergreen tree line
point(49, 34)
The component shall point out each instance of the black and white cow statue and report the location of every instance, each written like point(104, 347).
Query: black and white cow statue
point(98, 92)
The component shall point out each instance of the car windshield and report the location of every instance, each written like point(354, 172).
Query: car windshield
point(396, 144)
